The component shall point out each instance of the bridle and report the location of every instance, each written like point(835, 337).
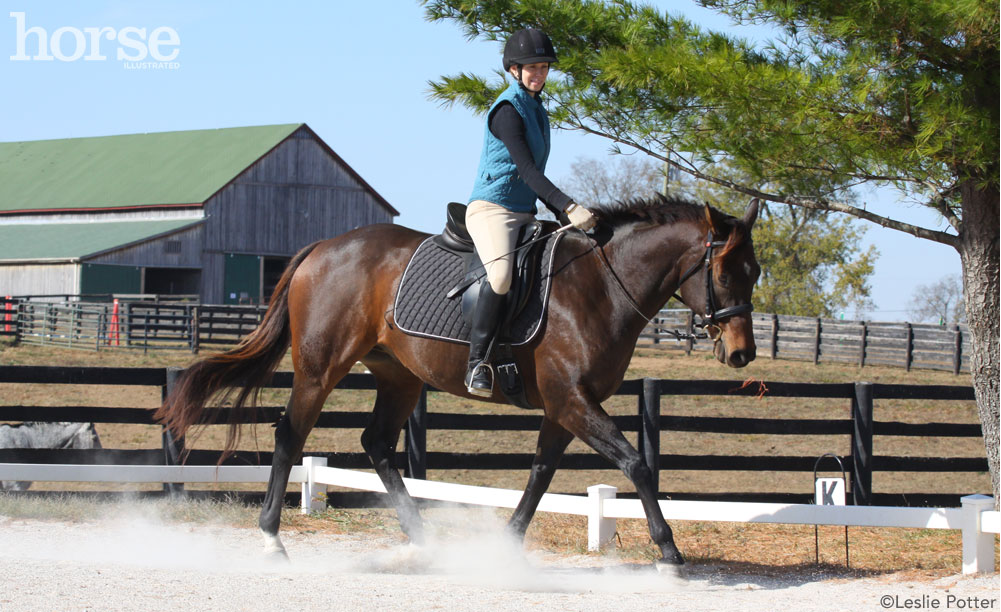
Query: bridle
point(713, 316)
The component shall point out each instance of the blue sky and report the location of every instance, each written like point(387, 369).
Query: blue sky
point(357, 73)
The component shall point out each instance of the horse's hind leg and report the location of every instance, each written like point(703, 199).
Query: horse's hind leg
point(396, 395)
point(553, 441)
point(301, 412)
point(588, 421)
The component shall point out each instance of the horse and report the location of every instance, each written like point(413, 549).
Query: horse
point(334, 306)
point(37, 434)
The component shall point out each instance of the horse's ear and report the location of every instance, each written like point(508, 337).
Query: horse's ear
point(715, 219)
point(751, 214)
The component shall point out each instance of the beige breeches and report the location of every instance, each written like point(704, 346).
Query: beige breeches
point(494, 230)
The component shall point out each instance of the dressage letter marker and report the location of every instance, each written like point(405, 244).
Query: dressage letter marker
point(829, 492)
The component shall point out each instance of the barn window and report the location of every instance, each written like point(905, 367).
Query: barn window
point(173, 246)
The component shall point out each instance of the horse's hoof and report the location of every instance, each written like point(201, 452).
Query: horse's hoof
point(274, 550)
point(670, 569)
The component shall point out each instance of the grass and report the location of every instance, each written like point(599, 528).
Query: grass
point(765, 548)
point(741, 547)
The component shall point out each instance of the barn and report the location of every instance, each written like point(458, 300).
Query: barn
point(217, 213)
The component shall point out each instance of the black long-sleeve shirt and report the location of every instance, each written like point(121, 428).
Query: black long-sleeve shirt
point(508, 126)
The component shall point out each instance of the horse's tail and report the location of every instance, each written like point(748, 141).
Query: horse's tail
point(247, 366)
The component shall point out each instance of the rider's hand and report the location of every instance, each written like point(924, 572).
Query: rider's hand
point(580, 217)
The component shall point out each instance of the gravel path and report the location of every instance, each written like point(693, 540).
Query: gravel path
point(141, 565)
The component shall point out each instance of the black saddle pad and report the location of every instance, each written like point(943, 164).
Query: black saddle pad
point(423, 310)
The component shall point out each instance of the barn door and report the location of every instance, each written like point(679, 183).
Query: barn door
point(242, 279)
point(103, 278)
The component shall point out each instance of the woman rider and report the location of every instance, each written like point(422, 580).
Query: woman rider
point(509, 179)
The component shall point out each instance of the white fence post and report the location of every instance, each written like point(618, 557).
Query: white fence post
point(978, 547)
point(314, 494)
point(600, 530)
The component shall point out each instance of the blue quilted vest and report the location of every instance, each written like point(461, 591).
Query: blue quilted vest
point(497, 178)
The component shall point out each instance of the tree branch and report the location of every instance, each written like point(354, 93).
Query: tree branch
point(811, 203)
point(861, 175)
point(941, 204)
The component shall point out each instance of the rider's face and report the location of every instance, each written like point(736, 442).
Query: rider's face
point(533, 76)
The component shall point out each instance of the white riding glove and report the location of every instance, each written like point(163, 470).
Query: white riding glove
point(580, 217)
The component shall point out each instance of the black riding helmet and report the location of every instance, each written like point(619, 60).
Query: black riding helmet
point(528, 46)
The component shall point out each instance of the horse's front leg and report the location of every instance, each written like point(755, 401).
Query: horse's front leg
point(587, 420)
point(553, 441)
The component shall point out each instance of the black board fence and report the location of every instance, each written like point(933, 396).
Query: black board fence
point(648, 421)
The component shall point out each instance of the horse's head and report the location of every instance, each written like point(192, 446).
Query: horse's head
point(718, 284)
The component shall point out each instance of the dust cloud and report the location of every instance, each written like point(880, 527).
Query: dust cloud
point(464, 546)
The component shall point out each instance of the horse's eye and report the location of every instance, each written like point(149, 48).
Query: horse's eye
point(724, 280)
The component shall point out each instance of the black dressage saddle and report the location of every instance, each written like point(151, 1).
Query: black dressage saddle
point(439, 288)
point(529, 249)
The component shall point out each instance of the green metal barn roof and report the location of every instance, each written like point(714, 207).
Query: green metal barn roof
point(74, 240)
point(132, 170)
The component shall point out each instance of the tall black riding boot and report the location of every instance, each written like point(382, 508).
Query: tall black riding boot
point(486, 320)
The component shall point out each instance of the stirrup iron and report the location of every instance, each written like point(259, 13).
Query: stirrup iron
point(471, 379)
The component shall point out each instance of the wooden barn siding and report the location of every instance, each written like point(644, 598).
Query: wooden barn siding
point(40, 279)
point(293, 196)
point(212, 277)
point(153, 254)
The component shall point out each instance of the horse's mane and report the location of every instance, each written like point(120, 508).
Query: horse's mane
point(658, 210)
point(661, 209)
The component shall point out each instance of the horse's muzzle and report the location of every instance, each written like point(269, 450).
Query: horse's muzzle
point(734, 359)
point(735, 346)
point(739, 359)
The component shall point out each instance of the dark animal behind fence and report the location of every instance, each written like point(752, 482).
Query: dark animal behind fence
point(45, 435)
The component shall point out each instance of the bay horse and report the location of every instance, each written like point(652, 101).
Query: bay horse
point(334, 306)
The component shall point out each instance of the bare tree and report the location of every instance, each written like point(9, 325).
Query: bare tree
point(594, 182)
point(939, 302)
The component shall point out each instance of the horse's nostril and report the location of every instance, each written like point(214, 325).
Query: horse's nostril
point(739, 358)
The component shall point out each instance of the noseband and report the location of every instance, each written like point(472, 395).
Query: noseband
point(713, 316)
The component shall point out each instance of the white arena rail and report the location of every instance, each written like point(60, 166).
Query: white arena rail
point(60, 472)
point(976, 518)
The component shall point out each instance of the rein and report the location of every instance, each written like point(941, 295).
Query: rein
point(711, 319)
point(618, 281)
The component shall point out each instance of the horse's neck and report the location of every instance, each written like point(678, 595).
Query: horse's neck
point(647, 261)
